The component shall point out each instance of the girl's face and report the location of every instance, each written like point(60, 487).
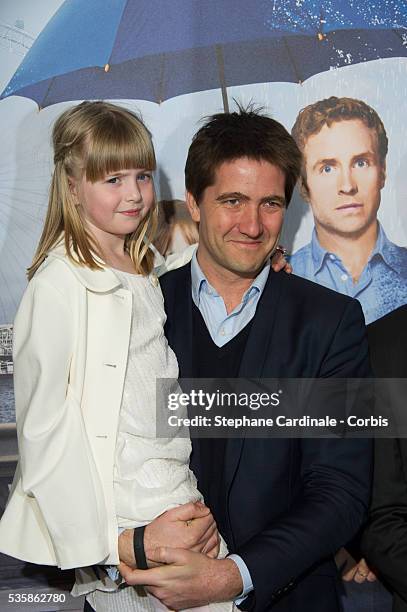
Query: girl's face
point(115, 205)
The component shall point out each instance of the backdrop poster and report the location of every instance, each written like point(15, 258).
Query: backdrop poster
point(176, 62)
point(348, 53)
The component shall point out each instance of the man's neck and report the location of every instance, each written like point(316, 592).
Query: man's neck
point(354, 250)
point(228, 285)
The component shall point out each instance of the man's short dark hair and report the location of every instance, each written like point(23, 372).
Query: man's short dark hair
point(246, 133)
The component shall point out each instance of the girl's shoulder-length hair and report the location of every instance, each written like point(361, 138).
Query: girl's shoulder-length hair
point(93, 140)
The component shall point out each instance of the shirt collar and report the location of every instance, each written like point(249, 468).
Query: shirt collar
point(318, 253)
point(200, 282)
point(383, 248)
point(386, 249)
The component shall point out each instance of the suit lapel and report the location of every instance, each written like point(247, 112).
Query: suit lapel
point(181, 336)
point(254, 358)
point(258, 343)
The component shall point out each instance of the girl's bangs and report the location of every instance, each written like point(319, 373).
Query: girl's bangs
point(119, 147)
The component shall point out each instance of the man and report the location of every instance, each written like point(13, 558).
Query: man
point(345, 146)
point(284, 506)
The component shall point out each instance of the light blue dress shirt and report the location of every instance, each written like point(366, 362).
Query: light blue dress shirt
point(221, 325)
point(382, 286)
point(222, 328)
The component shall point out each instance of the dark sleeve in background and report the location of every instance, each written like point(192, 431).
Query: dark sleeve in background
point(384, 540)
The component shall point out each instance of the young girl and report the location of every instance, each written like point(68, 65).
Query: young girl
point(88, 346)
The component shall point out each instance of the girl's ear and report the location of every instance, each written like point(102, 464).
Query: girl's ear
point(73, 186)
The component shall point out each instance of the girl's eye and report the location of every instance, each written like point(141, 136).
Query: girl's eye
point(113, 180)
point(145, 176)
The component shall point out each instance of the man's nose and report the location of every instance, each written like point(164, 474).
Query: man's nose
point(346, 182)
point(250, 222)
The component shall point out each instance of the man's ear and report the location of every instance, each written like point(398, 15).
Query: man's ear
point(192, 207)
point(304, 191)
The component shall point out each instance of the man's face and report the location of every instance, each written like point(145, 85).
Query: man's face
point(344, 177)
point(240, 217)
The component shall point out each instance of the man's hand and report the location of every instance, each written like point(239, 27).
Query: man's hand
point(187, 579)
point(279, 262)
point(353, 570)
point(359, 573)
point(190, 526)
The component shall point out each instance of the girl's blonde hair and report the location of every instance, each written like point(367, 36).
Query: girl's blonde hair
point(94, 139)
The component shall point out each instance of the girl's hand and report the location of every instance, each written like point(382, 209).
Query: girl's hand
point(279, 262)
point(213, 546)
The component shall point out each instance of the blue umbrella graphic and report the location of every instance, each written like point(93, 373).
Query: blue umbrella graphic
point(156, 49)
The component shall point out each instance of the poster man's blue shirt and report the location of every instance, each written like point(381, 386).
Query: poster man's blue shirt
point(382, 286)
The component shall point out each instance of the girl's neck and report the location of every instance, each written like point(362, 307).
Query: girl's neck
point(122, 263)
point(120, 260)
point(112, 251)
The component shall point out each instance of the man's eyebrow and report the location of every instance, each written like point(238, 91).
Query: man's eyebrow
point(274, 198)
point(237, 195)
point(326, 161)
point(368, 154)
point(232, 195)
point(331, 161)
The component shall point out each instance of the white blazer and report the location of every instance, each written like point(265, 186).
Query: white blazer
point(71, 340)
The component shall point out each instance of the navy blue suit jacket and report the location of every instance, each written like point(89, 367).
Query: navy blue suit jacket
point(286, 505)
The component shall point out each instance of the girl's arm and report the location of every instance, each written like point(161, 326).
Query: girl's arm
point(57, 466)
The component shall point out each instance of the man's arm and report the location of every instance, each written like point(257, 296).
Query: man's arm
point(188, 579)
point(336, 476)
point(327, 514)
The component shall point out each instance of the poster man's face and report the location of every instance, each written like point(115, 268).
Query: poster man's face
point(240, 216)
point(344, 177)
